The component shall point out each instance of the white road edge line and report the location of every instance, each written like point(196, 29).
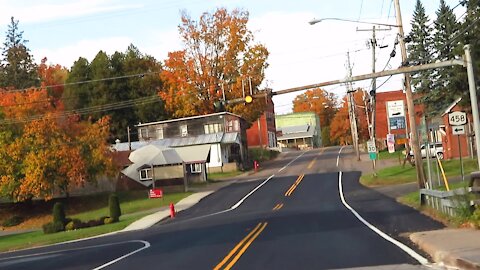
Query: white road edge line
point(147, 245)
point(284, 167)
point(251, 192)
point(400, 245)
point(338, 157)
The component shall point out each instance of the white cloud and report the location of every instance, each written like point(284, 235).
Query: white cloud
point(32, 11)
point(65, 56)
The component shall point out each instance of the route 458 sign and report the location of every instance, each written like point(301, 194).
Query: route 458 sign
point(457, 118)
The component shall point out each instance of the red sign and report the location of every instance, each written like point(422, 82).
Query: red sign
point(155, 193)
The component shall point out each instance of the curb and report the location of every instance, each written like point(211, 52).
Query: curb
point(455, 257)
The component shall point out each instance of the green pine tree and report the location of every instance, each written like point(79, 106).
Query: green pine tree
point(17, 69)
point(445, 26)
point(420, 52)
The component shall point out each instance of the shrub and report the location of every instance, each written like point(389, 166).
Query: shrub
point(108, 220)
point(74, 224)
point(59, 213)
point(53, 227)
point(114, 206)
point(13, 221)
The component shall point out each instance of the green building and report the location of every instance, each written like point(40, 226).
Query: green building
point(298, 130)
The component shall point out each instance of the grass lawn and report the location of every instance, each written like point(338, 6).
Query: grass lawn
point(134, 205)
point(224, 175)
point(37, 238)
point(384, 154)
point(398, 175)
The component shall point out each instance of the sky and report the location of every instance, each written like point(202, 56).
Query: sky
point(300, 53)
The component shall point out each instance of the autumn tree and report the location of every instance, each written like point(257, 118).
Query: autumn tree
point(45, 152)
point(219, 56)
point(17, 67)
point(323, 103)
point(52, 77)
point(340, 131)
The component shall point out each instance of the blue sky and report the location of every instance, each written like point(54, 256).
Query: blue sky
point(301, 54)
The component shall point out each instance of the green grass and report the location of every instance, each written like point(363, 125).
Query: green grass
point(384, 154)
point(224, 175)
point(37, 238)
point(133, 203)
point(400, 175)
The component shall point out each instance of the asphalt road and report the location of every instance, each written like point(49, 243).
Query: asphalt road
point(288, 216)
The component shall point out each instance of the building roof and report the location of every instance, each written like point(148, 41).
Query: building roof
point(220, 137)
point(297, 135)
point(194, 153)
point(294, 129)
point(186, 118)
point(155, 155)
point(450, 107)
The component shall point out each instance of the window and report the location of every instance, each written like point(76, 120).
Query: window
point(232, 125)
point(183, 131)
point(159, 132)
point(144, 133)
point(145, 174)
point(212, 128)
point(196, 168)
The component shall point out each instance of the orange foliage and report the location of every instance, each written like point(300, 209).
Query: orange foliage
point(218, 55)
point(319, 101)
point(53, 76)
point(45, 154)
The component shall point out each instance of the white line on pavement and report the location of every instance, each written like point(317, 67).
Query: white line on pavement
point(338, 157)
point(400, 245)
point(147, 245)
point(251, 192)
point(284, 167)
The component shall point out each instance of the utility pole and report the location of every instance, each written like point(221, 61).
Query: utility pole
point(373, 43)
point(410, 105)
point(351, 109)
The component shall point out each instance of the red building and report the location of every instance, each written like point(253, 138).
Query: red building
point(392, 115)
point(262, 133)
point(450, 141)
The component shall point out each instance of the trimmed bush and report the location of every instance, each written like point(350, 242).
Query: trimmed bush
point(13, 221)
point(74, 224)
point(53, 227)
point(108, 220)
point(114, 206)
point(59, 213)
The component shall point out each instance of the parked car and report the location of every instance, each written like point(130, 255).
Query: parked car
point(436, 149)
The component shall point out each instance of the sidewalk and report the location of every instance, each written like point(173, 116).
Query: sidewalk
point(185, 203)
point(459, 248)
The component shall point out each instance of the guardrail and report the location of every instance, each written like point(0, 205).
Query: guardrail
point(449, 202)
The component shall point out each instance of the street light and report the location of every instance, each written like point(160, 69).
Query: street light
point(314, 21)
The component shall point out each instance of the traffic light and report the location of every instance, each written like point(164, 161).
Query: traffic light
point(219, 106)
point(248, 99)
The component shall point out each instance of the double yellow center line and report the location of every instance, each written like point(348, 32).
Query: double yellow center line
point(278, 206)
point(294, 186)
point(241, 247)
point(311, 163)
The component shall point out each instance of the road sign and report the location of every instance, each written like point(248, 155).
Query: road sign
point(457, 118)
point(155, 193)
point(395, 108)
point(371, 147)
point(458, 130)
point(391, 143)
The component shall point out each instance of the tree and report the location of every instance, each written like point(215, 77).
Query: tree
point(18, 69)
point(420, 51)
point(340, 128)
point(218, 56)
point(92, 85)
point(53, 78)
point(45, 152)
point(446, 26)
point(323, 103)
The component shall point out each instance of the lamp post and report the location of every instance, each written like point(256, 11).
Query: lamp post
point(408, 89)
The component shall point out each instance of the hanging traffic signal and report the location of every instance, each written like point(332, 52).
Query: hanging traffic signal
point(248, 99)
